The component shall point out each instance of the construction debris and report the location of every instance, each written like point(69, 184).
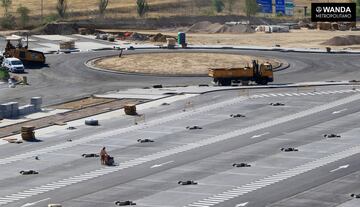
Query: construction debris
point(272, 28)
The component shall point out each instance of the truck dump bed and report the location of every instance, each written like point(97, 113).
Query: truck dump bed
point(246, 72)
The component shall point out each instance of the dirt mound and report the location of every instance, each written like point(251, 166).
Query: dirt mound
point(235, 29)
point(159, 37)
point(343, 40)
point(138, 37)
point(211, 28)
point(62, 28)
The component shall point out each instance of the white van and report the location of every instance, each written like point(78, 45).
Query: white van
point(13, 65)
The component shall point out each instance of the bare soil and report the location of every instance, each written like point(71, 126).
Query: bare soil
point(177, 63)
point(82, 103)
point(302, 38)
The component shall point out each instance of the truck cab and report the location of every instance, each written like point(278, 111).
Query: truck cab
point(263, 73)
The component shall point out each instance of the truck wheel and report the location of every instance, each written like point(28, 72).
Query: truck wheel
point(225, 82)
point(263, 81)
point(244, 83)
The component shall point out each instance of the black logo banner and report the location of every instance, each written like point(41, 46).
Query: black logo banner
point(333, 12)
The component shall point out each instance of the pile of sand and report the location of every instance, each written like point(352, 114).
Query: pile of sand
point(160, 37)
point(138, 37)
point(343, 40)
point(61, 28)
point(212, 28)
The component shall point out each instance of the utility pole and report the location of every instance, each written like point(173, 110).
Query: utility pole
point(42, 10)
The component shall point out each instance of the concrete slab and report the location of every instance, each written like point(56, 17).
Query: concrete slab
point(54, 37)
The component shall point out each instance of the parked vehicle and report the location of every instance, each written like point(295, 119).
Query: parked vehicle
point(259, 73)
point(13, 65)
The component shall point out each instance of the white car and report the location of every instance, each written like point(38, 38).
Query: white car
point(13, 65)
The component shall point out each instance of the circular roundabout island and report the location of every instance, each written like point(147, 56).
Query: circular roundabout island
point(176, 64)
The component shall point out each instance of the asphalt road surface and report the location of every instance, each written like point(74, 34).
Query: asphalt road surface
point(148, 173)
point(67, 78)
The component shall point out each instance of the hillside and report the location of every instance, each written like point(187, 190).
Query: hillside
point(127, 8)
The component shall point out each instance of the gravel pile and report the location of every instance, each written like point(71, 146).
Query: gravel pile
point(343, 40)
point(212, 28)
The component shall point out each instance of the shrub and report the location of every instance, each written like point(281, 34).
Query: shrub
point(8, 21)
point(24, 15)
point(4, 74)
point(218, 5)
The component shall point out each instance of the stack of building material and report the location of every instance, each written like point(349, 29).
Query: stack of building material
point(27, 133)
point(9, 110)
point(272, 28)
point(130, 109)
point(171, 42)
point(14, 109)
point(36, 101)
point(27, 109)
point(67, 45)
point(5, 110)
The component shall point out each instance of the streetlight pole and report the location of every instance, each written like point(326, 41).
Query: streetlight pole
point(42, 10)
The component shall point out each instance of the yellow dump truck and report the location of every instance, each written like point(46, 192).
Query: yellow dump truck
point(22, 52)
point(259, 73)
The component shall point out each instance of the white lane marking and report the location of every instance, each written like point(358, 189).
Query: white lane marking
point(241, 204)
point(260, 135)
point(339, 168)
point(337, 112)
point(2, 142)
point(261, 183)
point(191, 146)
point(32, 204)
point(103, 135)
point(151, 123)
point(162, 164)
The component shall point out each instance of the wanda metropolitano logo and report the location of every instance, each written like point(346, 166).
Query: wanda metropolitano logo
point(333, 12)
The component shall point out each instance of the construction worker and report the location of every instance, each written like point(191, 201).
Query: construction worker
point(103, 156)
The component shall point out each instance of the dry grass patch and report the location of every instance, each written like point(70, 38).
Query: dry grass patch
point(177, 63)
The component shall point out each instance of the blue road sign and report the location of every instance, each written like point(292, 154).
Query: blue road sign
point(265, 6)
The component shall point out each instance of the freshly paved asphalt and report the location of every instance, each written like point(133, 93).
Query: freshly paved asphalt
point(66, 76)
point(210, 165)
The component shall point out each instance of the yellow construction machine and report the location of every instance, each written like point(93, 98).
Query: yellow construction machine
point(259, 73)
point(22, 52)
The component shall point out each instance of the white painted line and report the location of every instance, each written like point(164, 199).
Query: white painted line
point(34, 203)
point(290, 173)
point(230, 135)
point(337, 112)
point(339, 168)
point(241, 204)
point(160, 165)
point(260, 135)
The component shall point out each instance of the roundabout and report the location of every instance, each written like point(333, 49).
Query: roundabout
point(177, 63)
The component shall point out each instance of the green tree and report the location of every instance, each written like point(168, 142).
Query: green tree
point(358, 7)
point(102, 6)
point(8, 20)
point(142, 7)
point(231, 5)
point(218, 5)
point(251, 7)
point(6, 5)
point(61, 8)
point(24, 15)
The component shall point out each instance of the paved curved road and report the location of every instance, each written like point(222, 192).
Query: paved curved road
point(67, 77)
